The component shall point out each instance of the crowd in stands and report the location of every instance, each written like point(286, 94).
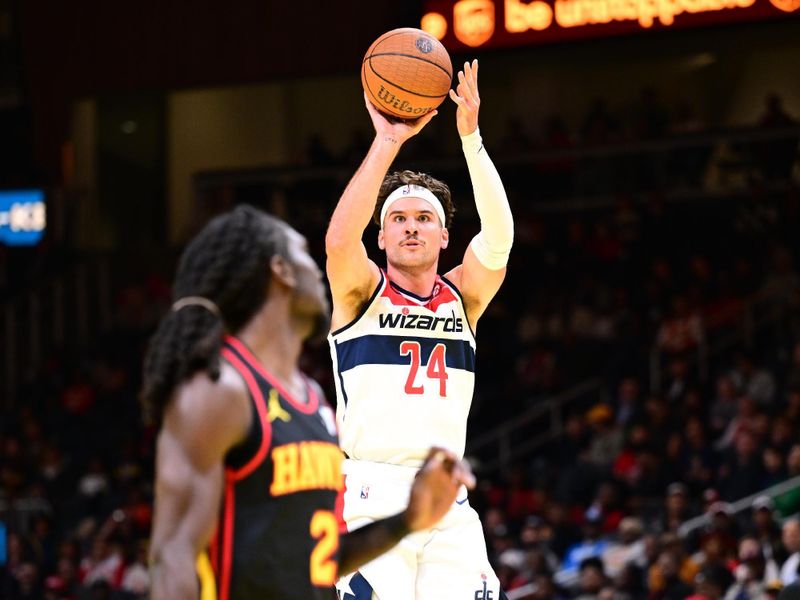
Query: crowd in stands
point(709, 289)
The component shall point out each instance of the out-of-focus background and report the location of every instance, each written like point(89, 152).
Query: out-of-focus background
point(636, 422)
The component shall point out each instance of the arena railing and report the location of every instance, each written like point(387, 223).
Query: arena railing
point(783, 495)
point(525, 433)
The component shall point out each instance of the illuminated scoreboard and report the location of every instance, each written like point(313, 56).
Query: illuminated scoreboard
point(464, 24)
point(23, 217)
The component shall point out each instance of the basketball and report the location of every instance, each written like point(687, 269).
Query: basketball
point(406, 73)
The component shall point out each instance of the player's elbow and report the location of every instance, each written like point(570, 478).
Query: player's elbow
point(339, 242)
point(492, 253)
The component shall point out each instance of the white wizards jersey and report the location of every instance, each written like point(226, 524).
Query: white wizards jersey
point(405, 374)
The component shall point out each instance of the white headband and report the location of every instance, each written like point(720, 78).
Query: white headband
point(197, 301)
point(413, 191)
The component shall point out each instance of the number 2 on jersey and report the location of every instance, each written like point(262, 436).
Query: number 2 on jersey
point(325, 528)
point(437, 368)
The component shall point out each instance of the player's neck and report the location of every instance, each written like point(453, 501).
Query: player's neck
point(276, 344)
point(418, 282)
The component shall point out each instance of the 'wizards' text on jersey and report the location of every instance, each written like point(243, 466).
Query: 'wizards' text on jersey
point(405, 374)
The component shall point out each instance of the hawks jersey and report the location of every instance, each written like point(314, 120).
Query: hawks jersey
point(405, 374)
point(278, 531)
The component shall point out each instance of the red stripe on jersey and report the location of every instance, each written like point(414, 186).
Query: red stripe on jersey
point(263, 417)
point(442, 295)
point(339, 506)
point(308, 408)
point(227, 540)
point(397, 298)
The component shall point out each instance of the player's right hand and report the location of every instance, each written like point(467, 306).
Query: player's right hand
point(435, 488)
point(399, 130)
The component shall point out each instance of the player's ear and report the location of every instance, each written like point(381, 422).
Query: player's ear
point(445, 237)
point(282, 270)
point(381, 241)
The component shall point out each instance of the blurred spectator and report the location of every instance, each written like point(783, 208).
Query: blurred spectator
point(711, 582)
point(591, 546)
point(699, 460)
point(757, 383)
point(592, 578)
point(766, 530)
point(774, 467)
point(790, 569)
point(665, 578)
point(676, 506)
point(741, 472)
point(607, 438)
point(682, 330)
point(753, 574)
point(627, 549)
point(628, 409)
point(724, 407)
point(776, 157)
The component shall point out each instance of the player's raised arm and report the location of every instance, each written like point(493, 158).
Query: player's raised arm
point(484, 267)
point(351, 274)
point(433, 493)
point(201, 423)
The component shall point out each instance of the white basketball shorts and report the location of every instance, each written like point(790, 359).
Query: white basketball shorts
point(447, 562)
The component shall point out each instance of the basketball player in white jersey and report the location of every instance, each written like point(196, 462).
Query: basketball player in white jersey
point(403, 349)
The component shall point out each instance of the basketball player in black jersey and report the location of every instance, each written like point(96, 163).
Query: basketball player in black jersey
point(247, 463)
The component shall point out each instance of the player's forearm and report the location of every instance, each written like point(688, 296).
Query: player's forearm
point(497, 224)
point(366, 543)
point(172, 572)
point(357, 204)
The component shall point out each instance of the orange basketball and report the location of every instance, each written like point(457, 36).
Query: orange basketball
point(406, 73)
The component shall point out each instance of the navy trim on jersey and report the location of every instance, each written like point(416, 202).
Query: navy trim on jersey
point(339, 374)
point(364, 308)
point(463, 304)
point(361, 588)
point(424, 299)
point(385, 350)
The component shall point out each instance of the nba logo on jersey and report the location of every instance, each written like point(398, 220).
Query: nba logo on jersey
point(364, 492)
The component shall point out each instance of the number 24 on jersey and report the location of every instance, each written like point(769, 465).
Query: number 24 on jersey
point(436, 368)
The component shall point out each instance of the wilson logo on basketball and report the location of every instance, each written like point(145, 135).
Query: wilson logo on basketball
point(390, 100)
point(473, 21)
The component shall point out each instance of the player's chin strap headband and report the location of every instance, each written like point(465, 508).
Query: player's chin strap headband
point(197, 301)
point(413, 191)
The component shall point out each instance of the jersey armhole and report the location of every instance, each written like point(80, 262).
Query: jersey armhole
point(367, 304)
point(244, 458)
point(463, 304)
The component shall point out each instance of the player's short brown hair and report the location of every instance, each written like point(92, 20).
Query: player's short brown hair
point(399, 178)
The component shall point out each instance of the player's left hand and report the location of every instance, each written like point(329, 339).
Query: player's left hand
point(435, 488)
point(467, 98)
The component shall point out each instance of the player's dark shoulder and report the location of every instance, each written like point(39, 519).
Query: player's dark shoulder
point(219, 406)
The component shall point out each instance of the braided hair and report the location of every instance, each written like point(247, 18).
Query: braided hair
point(228, 264)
